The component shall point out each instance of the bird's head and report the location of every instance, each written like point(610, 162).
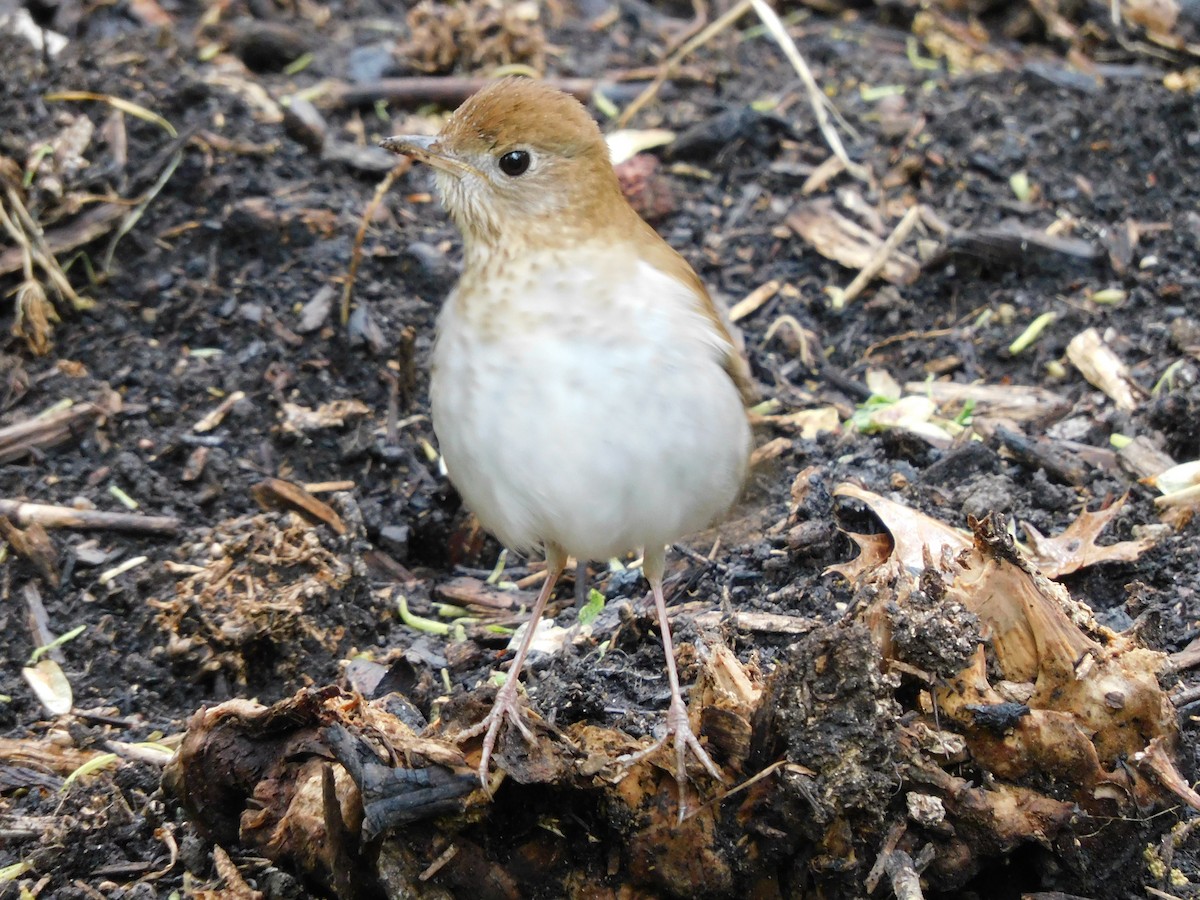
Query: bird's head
point(520, 162)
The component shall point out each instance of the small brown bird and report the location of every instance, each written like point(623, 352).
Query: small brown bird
point(586, 396)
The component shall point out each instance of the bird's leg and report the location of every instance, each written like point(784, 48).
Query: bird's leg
point(506, 705)
point(677, 715)
point(581, 585)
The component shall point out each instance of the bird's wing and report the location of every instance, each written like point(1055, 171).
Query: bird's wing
point(658, 253)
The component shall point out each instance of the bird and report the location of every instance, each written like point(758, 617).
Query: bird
point(587, 397)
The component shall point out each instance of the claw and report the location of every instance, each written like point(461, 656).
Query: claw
point(680, 728)
point(504, 707)
point(677, 717)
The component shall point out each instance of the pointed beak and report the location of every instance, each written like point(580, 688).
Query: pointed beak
point(429, 151)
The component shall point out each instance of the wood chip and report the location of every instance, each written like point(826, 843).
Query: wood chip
point(274, 493)
point(217, 416)
point(44, 432)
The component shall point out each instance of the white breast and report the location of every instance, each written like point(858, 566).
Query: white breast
point(596, 415)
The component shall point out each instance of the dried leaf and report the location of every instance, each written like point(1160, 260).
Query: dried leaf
point(1076, 548)
point(299, 419)
point(915, 536)
point(838, 238)
point(1096, 361)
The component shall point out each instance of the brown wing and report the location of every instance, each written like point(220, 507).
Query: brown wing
point(654, 250)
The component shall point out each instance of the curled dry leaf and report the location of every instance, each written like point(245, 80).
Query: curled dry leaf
point(272, 778)
point(1177, 478)
point(1096, 698)
point(1097, 362)
point(914, 536)
point(1076, 548)
point(1049, 697)
point(839, 238)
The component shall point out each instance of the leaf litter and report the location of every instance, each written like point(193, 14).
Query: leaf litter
point(947, 711)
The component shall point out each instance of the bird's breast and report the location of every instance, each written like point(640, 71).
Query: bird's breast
point(586, 406)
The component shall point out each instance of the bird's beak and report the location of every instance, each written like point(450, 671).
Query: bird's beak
point(429, 151)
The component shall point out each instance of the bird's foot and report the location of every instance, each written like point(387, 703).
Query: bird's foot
point(680, 728)
point(505, 706)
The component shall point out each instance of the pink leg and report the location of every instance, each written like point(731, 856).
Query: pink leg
point(505, 705)
point(677, 716)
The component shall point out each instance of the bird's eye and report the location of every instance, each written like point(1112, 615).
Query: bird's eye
point(514, 163)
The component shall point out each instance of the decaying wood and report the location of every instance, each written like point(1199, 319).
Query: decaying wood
point(50, 516)
point(1017, 246)
point(44, 432)
point(949, 628)
point(1044, 454)
point(1143, 459)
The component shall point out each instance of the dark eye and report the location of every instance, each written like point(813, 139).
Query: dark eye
point(514, 163)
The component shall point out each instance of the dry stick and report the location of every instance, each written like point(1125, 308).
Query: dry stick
point(369, 213)
point(906, 883)
point(66, 517)
point(41, 433)
point(668, 66)
point(752, 780)
point(816, 99)
point(889, 847)
point(876, 263)
point(433, 89)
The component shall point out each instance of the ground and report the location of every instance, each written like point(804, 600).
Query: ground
point(214, 291)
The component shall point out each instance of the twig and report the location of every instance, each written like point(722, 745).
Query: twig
point(368, 214)
point(48, 516)
point(876, 263)
point(42, 433)
point(906, 883)
point(749, 782)
point(889, 847)
point(668, 66)
point(1162, 895)
point(754, 300)
point(423, 89)
point(816, 98)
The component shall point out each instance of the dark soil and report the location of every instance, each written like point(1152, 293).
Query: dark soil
point(252, 226)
